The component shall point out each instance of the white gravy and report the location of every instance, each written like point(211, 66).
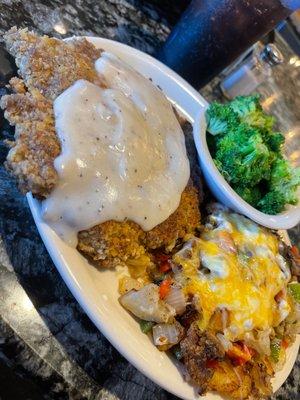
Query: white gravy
point(123, 154)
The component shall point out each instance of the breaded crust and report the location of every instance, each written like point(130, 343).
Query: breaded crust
point(47, 67)
point(36, 145)
point(112, 242)
point(51, 65)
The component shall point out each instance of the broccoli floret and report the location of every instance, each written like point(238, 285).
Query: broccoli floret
point(243, 105)
point(250, 112)
point(220, 118)
point(283, 185)
point(274, 141)
point(250, 195)
point(243, 156)
point(223, 171)
point(281, 172)
point(260, 120)
point(272, 203)
point(285, 179)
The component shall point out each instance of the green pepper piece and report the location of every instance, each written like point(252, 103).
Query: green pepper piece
point(294, 290)
point(275, 349)
point(146, 326)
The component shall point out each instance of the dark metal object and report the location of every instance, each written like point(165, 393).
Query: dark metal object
point(272, 55)
point(211, 34)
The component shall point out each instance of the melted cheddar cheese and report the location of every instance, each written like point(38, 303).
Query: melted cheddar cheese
point(235, 266)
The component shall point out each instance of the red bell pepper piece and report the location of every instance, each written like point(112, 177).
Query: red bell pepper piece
point(164, 288)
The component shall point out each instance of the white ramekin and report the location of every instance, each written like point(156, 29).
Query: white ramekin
point(226, 195)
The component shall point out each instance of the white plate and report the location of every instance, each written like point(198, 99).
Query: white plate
point(96, 291)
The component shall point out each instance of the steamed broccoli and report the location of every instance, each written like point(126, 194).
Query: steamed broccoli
point(250, 112)
point(250, 195)
point(282, 187)
point(244, 105)
point(220, 118)
point(260, 120)
point(248, 154)
point(243, 156)
point(285, 179)
point(272, 203)
point(274, 141)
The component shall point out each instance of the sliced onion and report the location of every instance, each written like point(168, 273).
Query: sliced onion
point(260, 342)
point(283, 265)
point(176, 299)
point(224, 315)
point(167, 334)
point(263, 341)
point(146, 304)
point(226, 344)
point(126, 283)
point(176, 268)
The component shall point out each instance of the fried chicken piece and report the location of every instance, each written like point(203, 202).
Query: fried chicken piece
point(31, 156)
point(17, 85)
point(112, 242)
point(51, 65)
point(183, 221)
point(47, 67)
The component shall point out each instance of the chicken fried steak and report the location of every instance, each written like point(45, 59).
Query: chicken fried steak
point(47, 66)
